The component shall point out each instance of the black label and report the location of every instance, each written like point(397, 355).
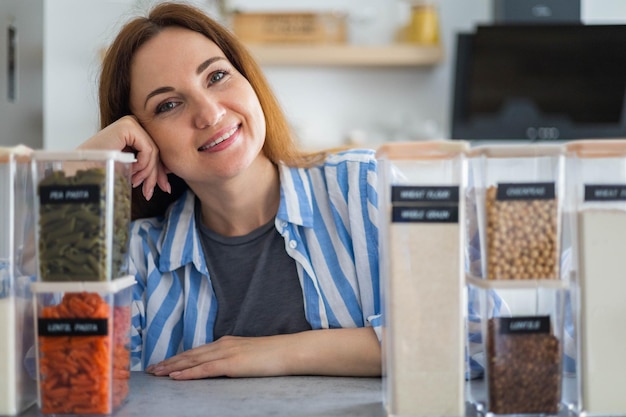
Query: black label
point(69, 194)
point(526, 324)
point(428, 194)
point(526, 191)
point(412, 214)
point(613, 192)
point(73, 327)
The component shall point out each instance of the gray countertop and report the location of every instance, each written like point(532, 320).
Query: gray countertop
point(289, 396)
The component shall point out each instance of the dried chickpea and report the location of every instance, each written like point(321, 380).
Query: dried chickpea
point(521, 238)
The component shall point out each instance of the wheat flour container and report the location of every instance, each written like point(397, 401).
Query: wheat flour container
point(596, 207)
point(17, 388)
point(514, 234)
point(422, 207)
point(83, 345)
point(83, 214)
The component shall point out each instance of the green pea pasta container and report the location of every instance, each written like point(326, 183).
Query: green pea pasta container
point(82, 214)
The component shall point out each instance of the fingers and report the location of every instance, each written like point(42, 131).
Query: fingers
point(229, 356)
point(182, 362)
point(127, 134)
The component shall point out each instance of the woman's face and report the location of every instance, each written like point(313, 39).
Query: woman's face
point(201, 112)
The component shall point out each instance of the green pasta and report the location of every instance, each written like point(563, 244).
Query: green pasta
point(73, 233)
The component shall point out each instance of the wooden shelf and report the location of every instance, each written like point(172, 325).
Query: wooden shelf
point(397, 55)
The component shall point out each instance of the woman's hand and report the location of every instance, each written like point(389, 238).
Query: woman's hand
point(126, 134)
point(348, 352)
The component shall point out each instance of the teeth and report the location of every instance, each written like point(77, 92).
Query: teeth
point(220, 139)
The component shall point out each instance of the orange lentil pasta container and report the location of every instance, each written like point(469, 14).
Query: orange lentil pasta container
point(83, 346)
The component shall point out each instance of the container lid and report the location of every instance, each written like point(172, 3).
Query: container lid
point(84, 155)
point(112, 286)
point(432, 149)
point(517, 150)
point(597, 148)
point(20, 153)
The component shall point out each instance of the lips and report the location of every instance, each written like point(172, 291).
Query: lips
point(220, 139)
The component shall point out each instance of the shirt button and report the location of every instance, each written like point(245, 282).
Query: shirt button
point(283, 223)
point(293, 244)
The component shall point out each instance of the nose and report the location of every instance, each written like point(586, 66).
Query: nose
point(208, 112)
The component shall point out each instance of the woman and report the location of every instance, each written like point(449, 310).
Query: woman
point(255, 259)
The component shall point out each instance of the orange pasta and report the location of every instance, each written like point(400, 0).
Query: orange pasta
point(84, 374)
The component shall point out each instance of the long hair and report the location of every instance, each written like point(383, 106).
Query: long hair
point(114, 89)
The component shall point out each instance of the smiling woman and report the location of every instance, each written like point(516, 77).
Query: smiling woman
point(252, 257)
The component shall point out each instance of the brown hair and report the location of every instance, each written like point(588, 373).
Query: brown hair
point(114, 89)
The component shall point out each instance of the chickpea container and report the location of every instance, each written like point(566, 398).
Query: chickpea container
point(83, 346)
point(596, 211)
point(420, 191)
point(17, 237)
point(82, 210)
point(517, 198)
point(514, 251)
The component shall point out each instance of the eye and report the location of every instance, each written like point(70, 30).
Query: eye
point(165, 107)
point(217, 76)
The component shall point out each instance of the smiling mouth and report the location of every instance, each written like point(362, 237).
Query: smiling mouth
point(220, 139)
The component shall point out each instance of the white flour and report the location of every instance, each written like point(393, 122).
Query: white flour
point(602, 245)
point(425, 321)
point(8, 371)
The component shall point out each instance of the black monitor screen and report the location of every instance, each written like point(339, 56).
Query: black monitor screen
point(540, 82)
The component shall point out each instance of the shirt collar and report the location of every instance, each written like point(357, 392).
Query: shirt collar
point(296, 196)
point(296, 207)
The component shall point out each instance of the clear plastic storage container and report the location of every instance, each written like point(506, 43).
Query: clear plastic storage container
point(517, 200)
point(83, 345)
point(596, 210)
point(523, 347)
point(83, 214)
point(421, 187)
point(514, 251)
point(17, 239)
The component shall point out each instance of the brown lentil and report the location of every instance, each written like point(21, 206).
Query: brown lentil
point(524, 372)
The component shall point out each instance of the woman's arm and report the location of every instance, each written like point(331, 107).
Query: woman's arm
point(334, 352)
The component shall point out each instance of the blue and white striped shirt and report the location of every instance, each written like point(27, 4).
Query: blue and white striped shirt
point(328, 217)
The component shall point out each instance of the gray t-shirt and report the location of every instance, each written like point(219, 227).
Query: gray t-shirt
point(255, 281)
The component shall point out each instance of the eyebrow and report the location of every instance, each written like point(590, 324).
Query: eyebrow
point(207, 63)
point(199, 71)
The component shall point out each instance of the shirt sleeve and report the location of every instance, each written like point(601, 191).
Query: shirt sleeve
point(138, 315)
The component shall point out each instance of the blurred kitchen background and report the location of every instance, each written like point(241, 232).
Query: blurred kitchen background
point(377, 82)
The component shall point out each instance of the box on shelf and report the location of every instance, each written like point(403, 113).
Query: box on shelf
point(285, 27)
point(596, 212)
point(17, 240)
point(421, 185)
point(515, 212)
point(82, 212)
point(83, 345)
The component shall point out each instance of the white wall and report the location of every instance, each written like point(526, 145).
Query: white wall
point(324, 104)
point(21, 118)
